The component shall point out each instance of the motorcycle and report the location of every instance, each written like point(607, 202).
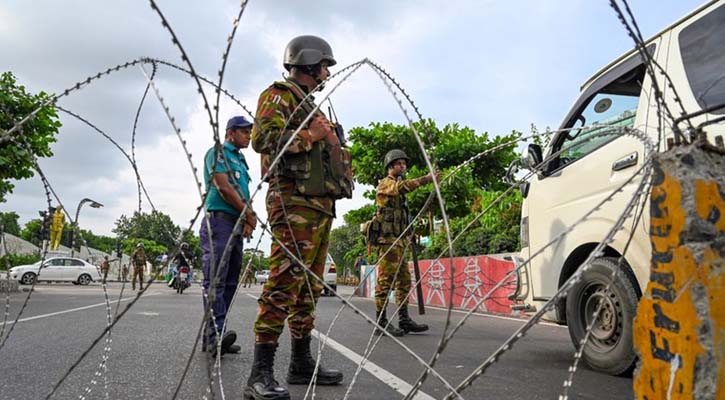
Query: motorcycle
point(181, 279)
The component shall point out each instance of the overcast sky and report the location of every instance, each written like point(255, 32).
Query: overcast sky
point(494, 66)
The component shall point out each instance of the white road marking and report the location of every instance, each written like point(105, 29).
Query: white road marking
point(74, 310)
point(375, 370)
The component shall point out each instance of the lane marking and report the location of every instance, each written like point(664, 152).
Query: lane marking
point(53, 314)
point(375, 370)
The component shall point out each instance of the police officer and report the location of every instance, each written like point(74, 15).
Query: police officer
point(392, 215)
point(300, 206)
point(227, 182)
point(138, 258)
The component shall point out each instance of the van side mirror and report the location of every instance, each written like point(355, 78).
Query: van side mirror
point(532, 156)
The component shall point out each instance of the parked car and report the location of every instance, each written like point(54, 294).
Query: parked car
point(330, 275)
point(65, 269)
point(583, 172)
point(262, 276)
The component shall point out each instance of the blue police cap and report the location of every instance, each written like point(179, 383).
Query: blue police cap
point(238, 122)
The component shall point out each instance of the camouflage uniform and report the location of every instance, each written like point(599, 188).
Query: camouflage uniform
point(301, 222)
point(390, 194)
point(105, 266)
point(138, 258)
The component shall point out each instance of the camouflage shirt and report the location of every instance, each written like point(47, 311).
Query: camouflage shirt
point(274, 108)
point(391, 211)
point(139, 256)
point(390, 187)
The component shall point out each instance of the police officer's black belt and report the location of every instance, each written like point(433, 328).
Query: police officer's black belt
point(223, 215)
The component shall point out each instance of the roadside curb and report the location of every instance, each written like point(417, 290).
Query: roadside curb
point(9, 286)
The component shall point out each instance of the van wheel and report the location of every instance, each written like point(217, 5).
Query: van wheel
point(84, 279)
point(609, 348)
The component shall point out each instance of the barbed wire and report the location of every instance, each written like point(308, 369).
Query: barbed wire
point(391, 84)
point(133, 135)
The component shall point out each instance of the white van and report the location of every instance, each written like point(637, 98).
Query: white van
point(692, 51)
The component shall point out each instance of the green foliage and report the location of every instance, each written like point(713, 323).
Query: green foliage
point(18, 259)
point(16, 160)
point(497, 231)
point(158, 228)
point(31, 231)
point(151, 248)
point(345, 245)
point(259, 260)
point(453, 145)
point(9, 222)
point(360, 215)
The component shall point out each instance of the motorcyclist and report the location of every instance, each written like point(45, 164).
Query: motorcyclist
point(181, 260)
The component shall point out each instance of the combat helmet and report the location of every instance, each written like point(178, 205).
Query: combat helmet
point(395, 154)
point(307, 50)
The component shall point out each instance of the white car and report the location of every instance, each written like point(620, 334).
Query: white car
point(262, 276)
point(57, 269)
point(330, 275)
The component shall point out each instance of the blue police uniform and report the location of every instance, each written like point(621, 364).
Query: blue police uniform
point(221, 217)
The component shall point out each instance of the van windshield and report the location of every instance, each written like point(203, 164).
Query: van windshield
point(614, 106)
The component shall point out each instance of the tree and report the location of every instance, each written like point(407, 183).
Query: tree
point(453, 145)
point(31, 231)
point(34, 138)
point(158, 228)
point(259, 260)
point(9, 221)
point(151, 248)
point(345, 245)
point(466, 193)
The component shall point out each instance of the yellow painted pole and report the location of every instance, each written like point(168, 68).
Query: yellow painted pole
point(679, 330)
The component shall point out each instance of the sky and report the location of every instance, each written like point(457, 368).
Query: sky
point(494, 66)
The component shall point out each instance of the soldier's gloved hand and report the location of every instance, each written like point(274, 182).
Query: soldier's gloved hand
point(320, 128)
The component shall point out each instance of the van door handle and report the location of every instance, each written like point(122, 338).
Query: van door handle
point(625, 162)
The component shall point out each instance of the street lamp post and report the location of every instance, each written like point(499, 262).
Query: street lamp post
point(71, 235)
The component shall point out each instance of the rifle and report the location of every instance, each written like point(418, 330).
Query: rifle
point(416, 273)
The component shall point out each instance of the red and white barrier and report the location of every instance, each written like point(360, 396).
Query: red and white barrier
point(474, 277)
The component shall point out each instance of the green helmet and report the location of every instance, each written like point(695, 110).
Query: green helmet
point(307, 50)
point(393, 155)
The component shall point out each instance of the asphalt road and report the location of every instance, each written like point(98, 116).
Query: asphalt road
point(151, 344)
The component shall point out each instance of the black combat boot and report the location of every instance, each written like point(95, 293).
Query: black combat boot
point(407, 324)
point(302, 366)
point(261, 384)
point(391, 329)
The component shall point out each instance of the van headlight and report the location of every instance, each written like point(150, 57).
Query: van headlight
point(525, 231)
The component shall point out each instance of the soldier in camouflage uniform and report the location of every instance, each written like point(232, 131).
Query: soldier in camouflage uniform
point(138, 258)
point(300, 207)
point(393, 217)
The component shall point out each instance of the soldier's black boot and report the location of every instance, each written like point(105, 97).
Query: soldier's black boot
point(408, 325)
point(261, 384)
point(302, 366)
point(382, 319)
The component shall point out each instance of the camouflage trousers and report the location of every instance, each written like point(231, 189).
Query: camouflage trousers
point(290, 293)
point(393, 273)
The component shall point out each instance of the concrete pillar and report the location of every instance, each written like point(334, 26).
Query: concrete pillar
point(679, 331)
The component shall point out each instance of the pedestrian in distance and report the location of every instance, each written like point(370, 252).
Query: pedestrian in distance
point(392, 215)
point(138, 258)
point(105, 266)
point(313, 173)
point(227, 182)
point(124, 272)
